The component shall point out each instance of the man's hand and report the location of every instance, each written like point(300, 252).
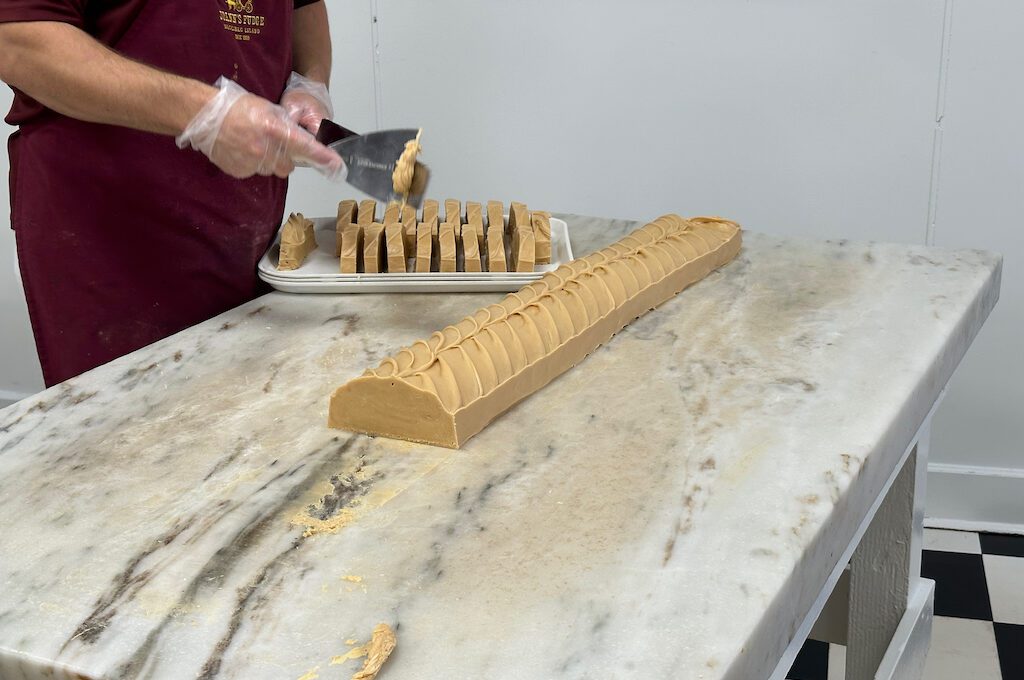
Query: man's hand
point(246, 135)
point(306, 97)
point(307, 102)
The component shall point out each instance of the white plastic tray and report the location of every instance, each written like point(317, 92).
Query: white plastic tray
point(319, 273)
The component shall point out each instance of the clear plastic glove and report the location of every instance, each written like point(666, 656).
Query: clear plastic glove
point(246, 135)
point(307, 102)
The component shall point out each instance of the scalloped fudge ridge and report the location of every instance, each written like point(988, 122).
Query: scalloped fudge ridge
point(448, 387)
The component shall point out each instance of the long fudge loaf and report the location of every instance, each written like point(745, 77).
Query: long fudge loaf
point(445, 389)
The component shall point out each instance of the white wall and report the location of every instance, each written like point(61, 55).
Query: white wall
point(978, 442)
point(810, 118)
point(817, 119)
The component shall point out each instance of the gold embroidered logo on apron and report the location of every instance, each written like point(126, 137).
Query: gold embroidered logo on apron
point(240, 20)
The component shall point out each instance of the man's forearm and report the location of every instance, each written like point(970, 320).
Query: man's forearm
point(68, 71)
point(311, 42)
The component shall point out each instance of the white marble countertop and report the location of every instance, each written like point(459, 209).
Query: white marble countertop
point(669, 508)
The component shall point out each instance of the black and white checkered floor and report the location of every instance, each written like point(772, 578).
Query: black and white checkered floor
point(978, 632)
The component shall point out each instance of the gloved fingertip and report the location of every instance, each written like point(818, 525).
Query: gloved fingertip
point(323, 154)
point(312, 123)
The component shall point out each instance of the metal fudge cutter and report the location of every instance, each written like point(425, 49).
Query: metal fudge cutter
point(371, 160)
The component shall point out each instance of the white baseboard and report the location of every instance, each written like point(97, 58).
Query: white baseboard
point(975, 498)
point(8, 397)
point(970, 525)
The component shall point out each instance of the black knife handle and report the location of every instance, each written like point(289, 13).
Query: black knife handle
point(331, 132)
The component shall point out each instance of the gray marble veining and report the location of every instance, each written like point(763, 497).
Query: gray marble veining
point(669, 508)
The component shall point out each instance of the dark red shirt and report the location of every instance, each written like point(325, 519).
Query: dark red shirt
point(105, 20)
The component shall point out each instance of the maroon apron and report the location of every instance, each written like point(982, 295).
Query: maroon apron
point(124, 239)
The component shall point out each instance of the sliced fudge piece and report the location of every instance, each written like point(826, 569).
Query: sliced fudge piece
point(475, 217)
point(495, 216)
point(409, 228)
point(469, 242)
point(496, 261)
point(523, 249)
point(347, 211)
point(447, 234)
point(425, 238)
point(392, 214)
point(352, 249)
point(518, 216)
point(453, 211)
point(430, 211)
point(367, 212)
point(542, 235)
point(374, 250)
point(394, 242)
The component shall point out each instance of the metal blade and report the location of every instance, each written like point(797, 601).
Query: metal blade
point(371, 160)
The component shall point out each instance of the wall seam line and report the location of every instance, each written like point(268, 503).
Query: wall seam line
point(940, 114)
point(378, 94)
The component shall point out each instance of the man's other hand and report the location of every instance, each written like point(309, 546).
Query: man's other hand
point(246, 135)
point(307, 102)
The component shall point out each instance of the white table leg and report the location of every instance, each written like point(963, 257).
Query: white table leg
point(889, 618)
point(887, 629)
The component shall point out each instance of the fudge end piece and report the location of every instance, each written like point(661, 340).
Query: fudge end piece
point(297, 241)
point(422, 418)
